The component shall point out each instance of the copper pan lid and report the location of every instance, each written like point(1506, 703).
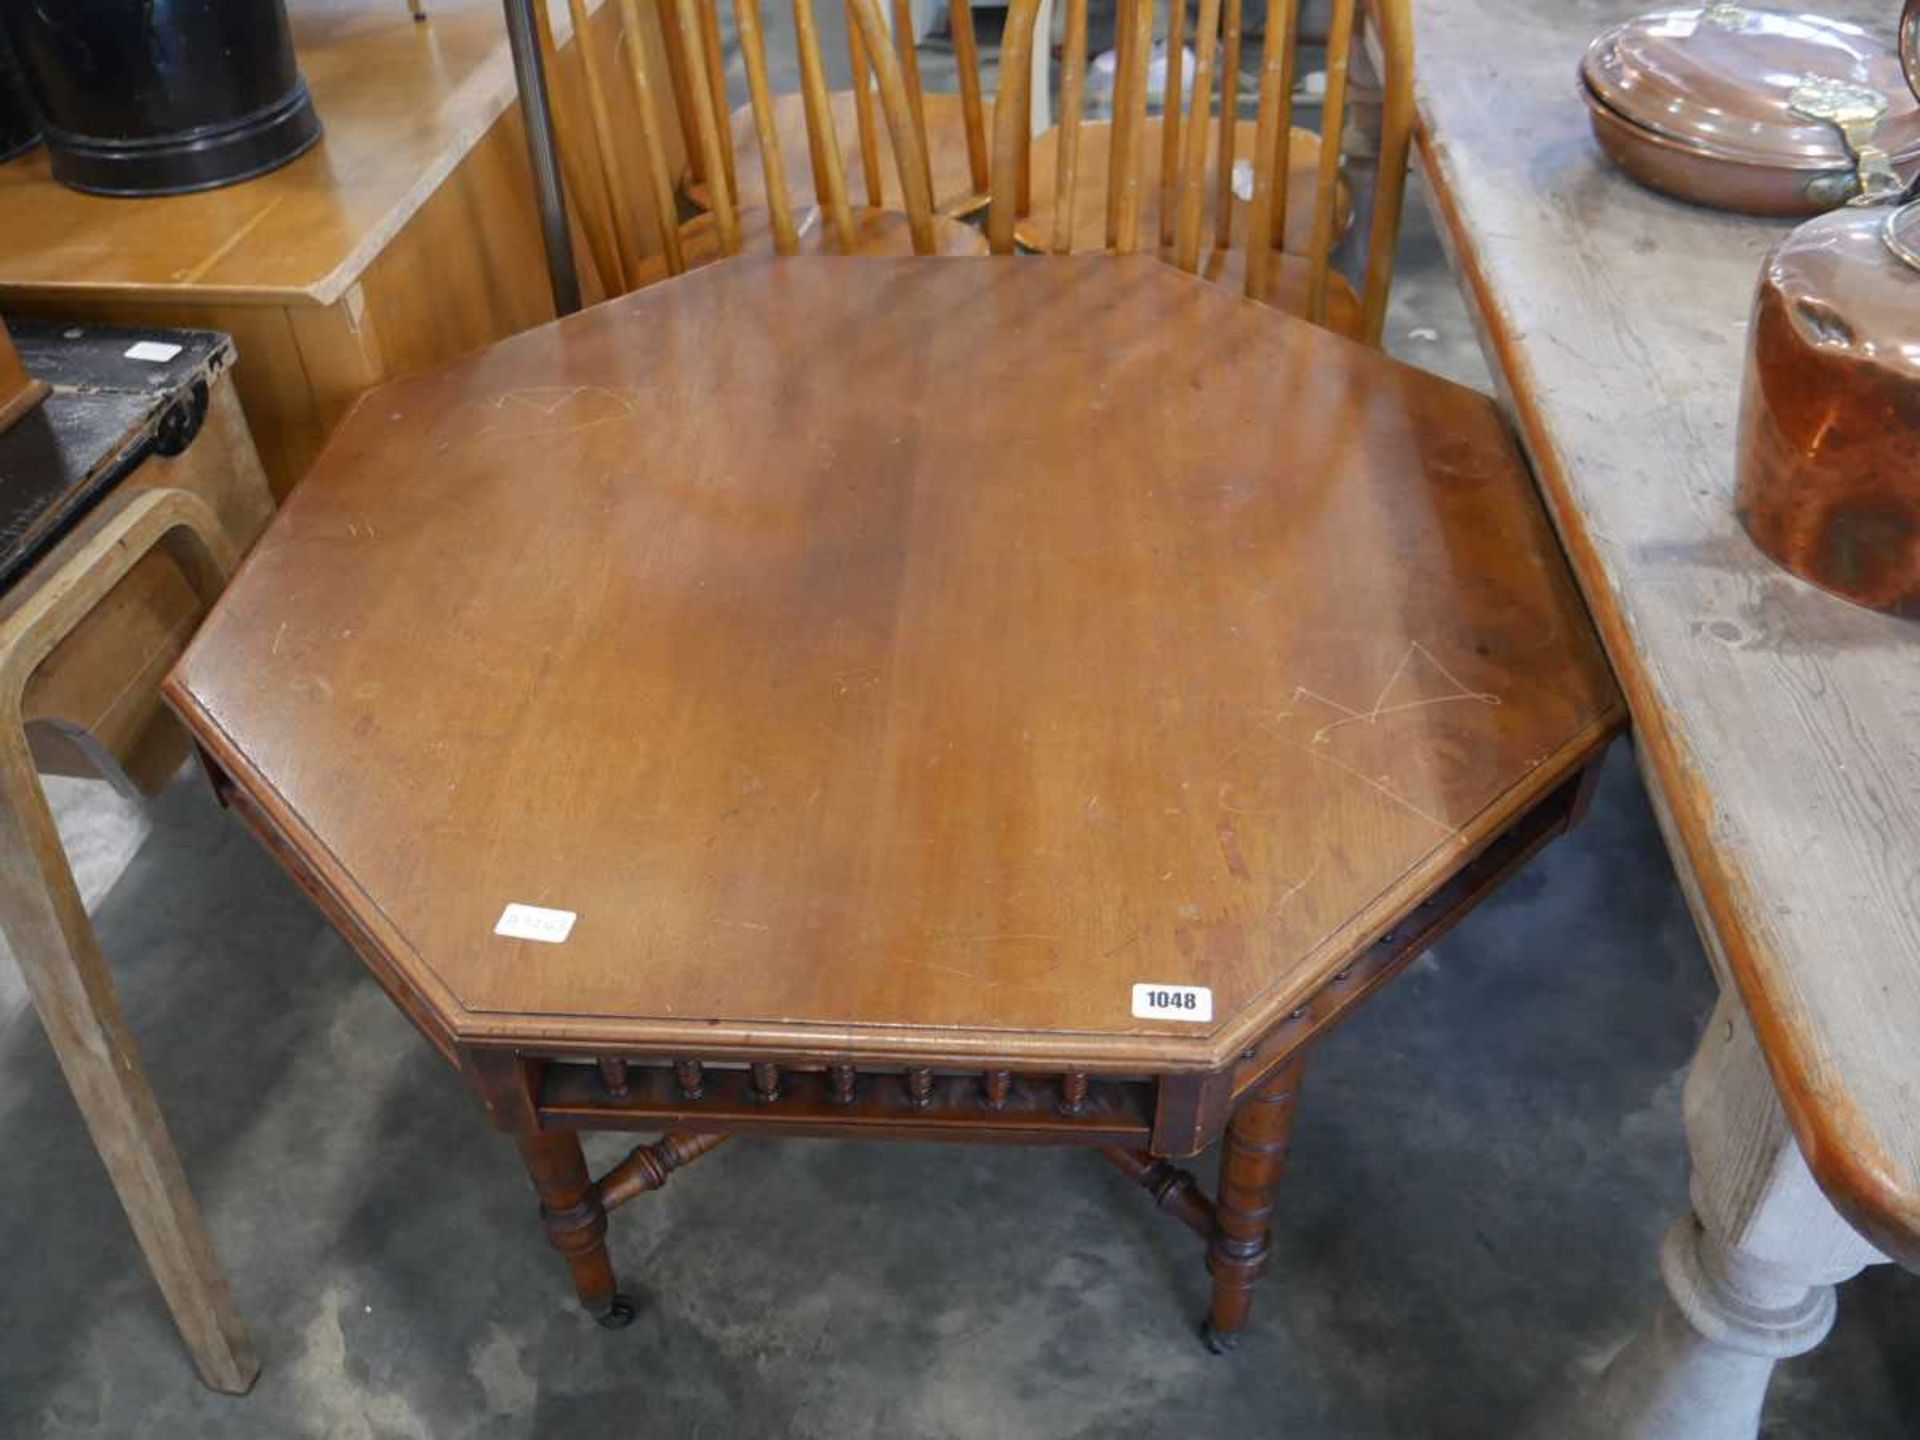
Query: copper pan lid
point(1745, 84)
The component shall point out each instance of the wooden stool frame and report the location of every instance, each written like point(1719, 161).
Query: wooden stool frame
point(53, 940)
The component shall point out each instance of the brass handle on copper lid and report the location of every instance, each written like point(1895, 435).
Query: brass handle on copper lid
point(1856, 112)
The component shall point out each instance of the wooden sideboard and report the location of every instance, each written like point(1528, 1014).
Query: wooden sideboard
point(407, 236)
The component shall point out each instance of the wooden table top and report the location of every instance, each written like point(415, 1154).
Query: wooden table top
point(402, 104)
point(900, 657)
point(1778, 721)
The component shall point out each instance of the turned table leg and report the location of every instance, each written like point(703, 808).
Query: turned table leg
point(1250, 1169)
point(576, 1220)
point(1750, 1275)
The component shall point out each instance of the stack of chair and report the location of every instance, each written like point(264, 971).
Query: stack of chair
point(1260, 205)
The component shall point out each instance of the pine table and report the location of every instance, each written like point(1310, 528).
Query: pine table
point(1774, 723)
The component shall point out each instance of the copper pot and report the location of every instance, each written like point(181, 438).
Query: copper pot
point(1910, 44)
point(1755, 110)
point(1829, 462)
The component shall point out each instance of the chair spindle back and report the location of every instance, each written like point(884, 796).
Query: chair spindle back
point(1216, 52)
point(877, 66)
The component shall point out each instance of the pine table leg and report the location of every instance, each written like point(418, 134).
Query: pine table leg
point(47, 926)
point(1250, 1171)
point(1750, 1275)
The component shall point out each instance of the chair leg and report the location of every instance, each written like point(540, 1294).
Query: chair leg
point(1250, 1171)
point(576, 1221)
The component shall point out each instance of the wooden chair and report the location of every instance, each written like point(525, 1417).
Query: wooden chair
point(953, 128)
point(1049, 196)
point(623, 205)
point(638, 239)
point(834, 225)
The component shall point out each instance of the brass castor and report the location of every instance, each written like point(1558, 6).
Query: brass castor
point(1218, 1342)
point(618, 1314)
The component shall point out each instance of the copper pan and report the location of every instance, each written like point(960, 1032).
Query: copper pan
point(1687, 173)
point(1762, 111)
point(1910, 45)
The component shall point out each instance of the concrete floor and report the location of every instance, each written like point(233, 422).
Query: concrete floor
point(1485, 1160)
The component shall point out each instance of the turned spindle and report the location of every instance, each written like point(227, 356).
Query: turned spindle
point(841, 1078)
point(920, 1087)
point(1173, 1189)
point(613, 1075)
point(998, 1085)
point(647, 1167)
point(1073, 1093)
point(692, 1081)
point(766, 1081)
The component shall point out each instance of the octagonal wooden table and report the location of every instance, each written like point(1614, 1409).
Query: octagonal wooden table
point(1012, 700)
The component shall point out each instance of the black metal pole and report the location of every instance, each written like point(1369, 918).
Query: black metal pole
point(531, 76)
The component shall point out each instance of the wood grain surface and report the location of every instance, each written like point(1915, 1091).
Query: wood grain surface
point(900, 657)
point(1777, 721)
point(407, 237)
point(306, 231)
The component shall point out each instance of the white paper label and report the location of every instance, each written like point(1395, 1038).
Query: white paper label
point(531, 922)
point(156, 351)
point(1153, 1001)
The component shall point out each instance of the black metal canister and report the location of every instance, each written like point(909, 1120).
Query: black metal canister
point(19, 126)
point(152, 97)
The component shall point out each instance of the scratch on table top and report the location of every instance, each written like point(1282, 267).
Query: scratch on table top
point(547, 402)
point(547, 399)
point(1042, 980)
point(1294, 889)
point(992, 937)
point(1372, 782)
point(1380, 708)
point(952, 970)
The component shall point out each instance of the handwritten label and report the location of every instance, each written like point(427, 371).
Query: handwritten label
point(156, 352)
point(1153, 1001)
point(531, 922)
